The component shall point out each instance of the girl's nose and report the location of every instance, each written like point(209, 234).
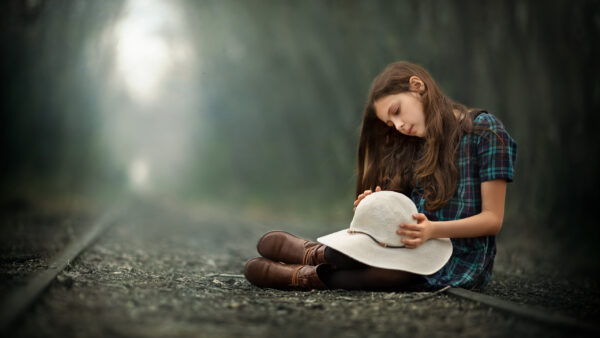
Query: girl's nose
point(398, 125)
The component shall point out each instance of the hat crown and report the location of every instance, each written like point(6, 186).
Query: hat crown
point(380, 213)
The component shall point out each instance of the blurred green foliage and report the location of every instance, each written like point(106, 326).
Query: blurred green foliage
point(272, 109)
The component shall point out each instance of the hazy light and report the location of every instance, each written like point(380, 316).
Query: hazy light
point(150, 94)
point(138, 173)
point(143, 54)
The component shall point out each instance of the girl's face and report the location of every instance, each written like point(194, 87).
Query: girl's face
point(403, 111)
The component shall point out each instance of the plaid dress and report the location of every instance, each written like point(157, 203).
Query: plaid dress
point(481, 157)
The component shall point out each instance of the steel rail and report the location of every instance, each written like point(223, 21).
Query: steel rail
point(21, 297)
point(533, 313)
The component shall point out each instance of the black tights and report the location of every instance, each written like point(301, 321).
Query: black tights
point(350, 274)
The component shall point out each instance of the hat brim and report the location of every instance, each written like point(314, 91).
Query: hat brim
point(426, 259)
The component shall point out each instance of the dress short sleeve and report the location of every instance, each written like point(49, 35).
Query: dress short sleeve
point(496, 149)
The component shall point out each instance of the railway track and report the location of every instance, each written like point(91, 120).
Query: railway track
point(24, 296)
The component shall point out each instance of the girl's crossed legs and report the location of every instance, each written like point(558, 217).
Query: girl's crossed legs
point(353, 275)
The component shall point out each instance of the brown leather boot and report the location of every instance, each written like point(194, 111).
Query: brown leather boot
point(281, 246)
point(266, 273)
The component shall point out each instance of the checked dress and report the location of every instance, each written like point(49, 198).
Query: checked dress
point(481, 157)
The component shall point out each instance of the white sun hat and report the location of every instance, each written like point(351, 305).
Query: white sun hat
point(372, 238)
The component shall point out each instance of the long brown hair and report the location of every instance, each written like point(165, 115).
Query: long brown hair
point(395, 161)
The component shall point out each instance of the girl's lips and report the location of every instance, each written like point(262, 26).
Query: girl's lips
point(409, 130)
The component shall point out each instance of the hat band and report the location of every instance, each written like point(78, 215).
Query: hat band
point(385, 245)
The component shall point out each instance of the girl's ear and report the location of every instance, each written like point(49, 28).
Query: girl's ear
point(416, 84)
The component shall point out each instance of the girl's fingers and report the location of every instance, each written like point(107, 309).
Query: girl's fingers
point(414, 234)
point(419, 217)
point(363, 195)
point(415, 227)
point(358, 201)
point(411, 242)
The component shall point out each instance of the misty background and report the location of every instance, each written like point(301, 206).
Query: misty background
point(256, 105)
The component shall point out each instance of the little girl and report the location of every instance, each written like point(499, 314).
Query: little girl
point(453, 162)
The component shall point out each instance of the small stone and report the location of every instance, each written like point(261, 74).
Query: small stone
point(218, 282)
point(66, 281)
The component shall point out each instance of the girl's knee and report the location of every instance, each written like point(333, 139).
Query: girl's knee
point(393, 277)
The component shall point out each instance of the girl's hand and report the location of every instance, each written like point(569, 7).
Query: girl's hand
point(363, 195)
point(417, 233)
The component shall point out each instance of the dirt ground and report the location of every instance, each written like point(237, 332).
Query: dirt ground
point(164, 270)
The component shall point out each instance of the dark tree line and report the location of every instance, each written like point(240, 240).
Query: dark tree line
point(280, 90)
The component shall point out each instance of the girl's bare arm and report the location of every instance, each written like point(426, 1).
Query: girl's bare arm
point(488, 222)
